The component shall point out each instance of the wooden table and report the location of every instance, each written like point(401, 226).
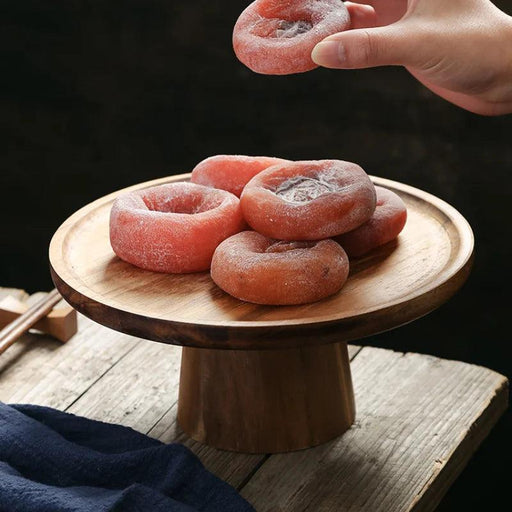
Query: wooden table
point(419, 418)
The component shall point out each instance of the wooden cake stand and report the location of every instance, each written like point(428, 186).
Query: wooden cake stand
point(255, 378)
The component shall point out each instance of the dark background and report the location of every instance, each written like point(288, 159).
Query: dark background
point(98, 95)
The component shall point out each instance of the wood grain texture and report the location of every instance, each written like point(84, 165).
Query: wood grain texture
point(40, 370)
point(111, 377)
point(266, 401)
point(137, 391)
point(141, 391)
point(394, 285)
point(419, 420)
point(234, 468)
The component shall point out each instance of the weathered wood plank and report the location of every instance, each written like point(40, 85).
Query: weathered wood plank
point(419, 420)
point(232, 467)
point(41, 370)
point(141, 392)
point(353, 350)
point(138, 390)
point(109, 376)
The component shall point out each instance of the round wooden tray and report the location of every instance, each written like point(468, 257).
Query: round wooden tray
point(392, 286)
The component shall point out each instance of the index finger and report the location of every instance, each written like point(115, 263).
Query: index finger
point(387, 11)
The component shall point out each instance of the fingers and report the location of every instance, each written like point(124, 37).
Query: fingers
point(386, 11)
point(365, 45)
point(361, 16)
point(364, 48)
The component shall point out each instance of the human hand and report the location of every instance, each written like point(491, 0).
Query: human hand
point(459, 49)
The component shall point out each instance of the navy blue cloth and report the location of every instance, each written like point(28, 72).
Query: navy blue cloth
point(52, 461)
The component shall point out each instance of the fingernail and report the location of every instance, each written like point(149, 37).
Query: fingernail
point(330, 54)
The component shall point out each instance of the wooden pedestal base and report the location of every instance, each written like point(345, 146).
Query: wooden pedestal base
point(266, 401)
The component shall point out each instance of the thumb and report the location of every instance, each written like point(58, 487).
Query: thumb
point(365, 48)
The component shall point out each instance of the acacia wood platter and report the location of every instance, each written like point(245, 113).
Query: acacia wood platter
point(393, 285)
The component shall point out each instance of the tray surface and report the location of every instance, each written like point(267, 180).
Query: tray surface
point(395, 284)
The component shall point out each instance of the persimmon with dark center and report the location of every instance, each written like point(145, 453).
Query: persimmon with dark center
point(276, 37)
point(308, 200)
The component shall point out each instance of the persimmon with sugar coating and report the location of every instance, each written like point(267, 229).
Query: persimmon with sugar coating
point(231, 172)
point(173, 228)
point(254, 268)
point(308, 200)
point(385, 225)
point(277, 37)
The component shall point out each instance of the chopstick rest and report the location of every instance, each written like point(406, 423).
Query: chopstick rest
point(16, 318)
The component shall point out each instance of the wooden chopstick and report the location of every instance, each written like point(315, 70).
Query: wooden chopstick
point(11, 332)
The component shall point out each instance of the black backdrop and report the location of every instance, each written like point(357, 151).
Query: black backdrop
point(98, 95)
